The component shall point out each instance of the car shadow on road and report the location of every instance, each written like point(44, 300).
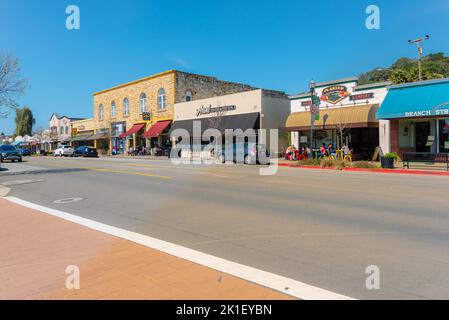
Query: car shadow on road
point(42, 171)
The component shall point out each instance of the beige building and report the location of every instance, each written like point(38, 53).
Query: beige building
point(139, 113)
point(255, 109)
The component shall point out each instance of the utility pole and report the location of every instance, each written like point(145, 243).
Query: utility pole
point(420, 52)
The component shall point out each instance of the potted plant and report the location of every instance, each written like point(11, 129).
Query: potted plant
point(387, 160)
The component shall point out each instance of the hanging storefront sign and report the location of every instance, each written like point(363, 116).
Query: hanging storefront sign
point(208, 110)
point(334, 94)
point(146, 116)
point(362, 96)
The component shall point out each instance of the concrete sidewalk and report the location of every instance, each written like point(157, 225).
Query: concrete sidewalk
point(36, 249)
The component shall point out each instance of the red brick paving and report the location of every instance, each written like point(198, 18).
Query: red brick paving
point(36, 248)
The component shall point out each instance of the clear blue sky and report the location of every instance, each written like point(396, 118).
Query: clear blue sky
point(274, 44)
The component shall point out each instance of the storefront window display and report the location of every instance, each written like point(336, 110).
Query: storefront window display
point(444, 135)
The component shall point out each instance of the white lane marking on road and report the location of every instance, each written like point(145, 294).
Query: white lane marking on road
point(4, 191)
point(270, 280)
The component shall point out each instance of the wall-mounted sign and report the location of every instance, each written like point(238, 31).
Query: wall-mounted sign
point(81, 128)
point(334, 94)
point(306, 103)
point(146, 116)
point(74, 131)
point(362, 96)
point(208, 110)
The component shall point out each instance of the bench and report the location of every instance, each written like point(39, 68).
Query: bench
point(425, 157)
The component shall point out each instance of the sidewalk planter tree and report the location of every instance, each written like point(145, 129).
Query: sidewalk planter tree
point(387, 160)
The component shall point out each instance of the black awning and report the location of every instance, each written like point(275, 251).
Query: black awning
point(238, 121)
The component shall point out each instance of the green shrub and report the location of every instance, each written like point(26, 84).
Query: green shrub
point(392, 155)
point(327, 163)
point(308, 162)
point(365, 164)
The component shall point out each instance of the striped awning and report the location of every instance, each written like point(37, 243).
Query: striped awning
point(354, 117)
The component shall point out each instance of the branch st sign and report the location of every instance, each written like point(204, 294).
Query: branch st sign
point(208, 110)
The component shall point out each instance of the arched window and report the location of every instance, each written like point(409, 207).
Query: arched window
point(66, 130)
point(161, 102)
point(101, 112)
point(143, 102)
point(189, 95)
point(126, 107)
point(113, 109)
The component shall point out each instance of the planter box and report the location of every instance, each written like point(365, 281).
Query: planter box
point(387, 163)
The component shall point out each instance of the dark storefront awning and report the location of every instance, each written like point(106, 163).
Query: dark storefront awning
point(157, 129)
point(421, 99)
point(354, 117)
point(239, 121)
point(99, 136)
point(134, 129)
point(82, 137)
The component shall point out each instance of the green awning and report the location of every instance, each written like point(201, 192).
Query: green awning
point(416, 100)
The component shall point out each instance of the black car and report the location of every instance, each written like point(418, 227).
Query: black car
point(25, 152)
point(85, 151)
point(9, 152)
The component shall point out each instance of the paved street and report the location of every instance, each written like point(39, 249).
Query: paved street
point(321, 227)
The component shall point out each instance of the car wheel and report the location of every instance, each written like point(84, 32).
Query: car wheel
point(20, 159)
point(1, 160)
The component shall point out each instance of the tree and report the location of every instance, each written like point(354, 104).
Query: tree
point(24, 121)
point(11, 84)
point(403, 70)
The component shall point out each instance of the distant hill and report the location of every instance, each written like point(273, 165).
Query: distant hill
point(435, 65)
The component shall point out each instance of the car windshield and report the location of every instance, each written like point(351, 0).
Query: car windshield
point(7, 148)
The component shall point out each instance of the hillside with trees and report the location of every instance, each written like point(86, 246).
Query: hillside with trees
point(435, 66)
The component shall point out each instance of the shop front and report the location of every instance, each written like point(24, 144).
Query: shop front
point(101, 140)
point(134, 137)
point(346, 116)
point(415, 118)
point(118, 144)
point(158, 140)
point(256, 109)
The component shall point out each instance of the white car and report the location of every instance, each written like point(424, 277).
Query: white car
point(64, 151)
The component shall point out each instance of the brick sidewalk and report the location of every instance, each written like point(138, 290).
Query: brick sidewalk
point(36, 248)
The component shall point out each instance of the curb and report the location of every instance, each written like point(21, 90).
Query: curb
point(380, 170)
point(4, 191)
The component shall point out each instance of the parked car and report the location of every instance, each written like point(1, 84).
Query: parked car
point(86, 151)
point(9, 153)
point(25, 152)
point(64, 151)
point(248, 153)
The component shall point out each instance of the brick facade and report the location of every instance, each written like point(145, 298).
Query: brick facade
point(176, 85)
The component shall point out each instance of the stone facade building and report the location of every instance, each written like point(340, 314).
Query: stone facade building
point(139, 113)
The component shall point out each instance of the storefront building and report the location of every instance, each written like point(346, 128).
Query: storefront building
point(347, 115)
point(256, 109)
point(60, 131)
point(414, 117)
point(139, 113)
point(82, 133)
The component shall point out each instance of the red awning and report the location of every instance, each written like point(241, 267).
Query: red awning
point(134, 129)
point(157, 129)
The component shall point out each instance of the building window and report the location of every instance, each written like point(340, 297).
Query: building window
point(126, 107)
point(113, 109)
point(101, 112)
point(66, 130)
point(189, 95)
point(143, 102)
point(161, 102)
point(61, 130)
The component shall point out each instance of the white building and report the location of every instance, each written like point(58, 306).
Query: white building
point(346, 109)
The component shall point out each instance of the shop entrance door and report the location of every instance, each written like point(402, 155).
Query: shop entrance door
point(422, 133)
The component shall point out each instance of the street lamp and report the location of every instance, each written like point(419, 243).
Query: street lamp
point(420, 52)
point(313, 108)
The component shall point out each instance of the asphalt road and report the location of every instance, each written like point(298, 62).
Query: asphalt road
point(321, 227)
